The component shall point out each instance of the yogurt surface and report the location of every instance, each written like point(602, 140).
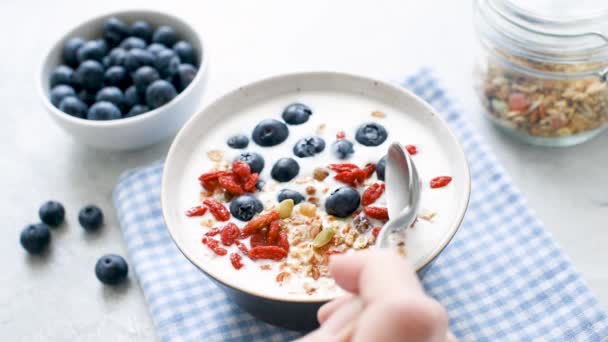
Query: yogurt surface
point(333, 112)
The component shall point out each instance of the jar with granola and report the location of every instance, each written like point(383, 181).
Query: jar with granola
point(543, 73)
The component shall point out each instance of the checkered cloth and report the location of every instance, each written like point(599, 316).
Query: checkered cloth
point(502, 278)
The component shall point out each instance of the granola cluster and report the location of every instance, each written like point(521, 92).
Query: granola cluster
point(545, 107)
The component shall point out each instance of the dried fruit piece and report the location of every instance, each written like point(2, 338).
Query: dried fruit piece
point(214, 246)
point(218, 210)
point(242, 248)
point(230, 184)
point(213, 232)
point(260, 222)
point(258, 239)
point(250, 184)
point(347, 177)
point(342, 167)
point(282, 276)
point(376, 213)
point(285, 208)
point(196, 211)
point(369, 169)
point(283, 241)
point(378, 114)
point(376, 231)
point(323, 238)
point(209, 180)
point(518, 102)
point(235, 260)
point(320, 174)
point(411, 149)
point(273, 232)
point(229, 234)
point(268, 252)
point(308, 209)
point(340, 135)
point(440, 182)
point(372, 193)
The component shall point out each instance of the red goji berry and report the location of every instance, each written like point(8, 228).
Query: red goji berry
point(241, 169)
point(283, 241)
point(229, 234)
point(258, 238)
point(260, 222)
point(209, 180)
point(273, 232)
point(518, 102)
point(440, 182)
point(376, 231)
point(268, 252)
point(340, 135)
point(251, 182)
point(347, 177)
point(369, 169)
point(229, 183)
point(372, 193)
point(218, 210)
point(213, 232)
point(242, 248)
point(214, 246)
point(361, 175)
point(196, 211)
point(376, 213)
point(411, 149)
point(342, 167)
point(235, 260)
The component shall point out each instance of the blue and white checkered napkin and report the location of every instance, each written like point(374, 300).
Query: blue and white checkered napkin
point(502, 277)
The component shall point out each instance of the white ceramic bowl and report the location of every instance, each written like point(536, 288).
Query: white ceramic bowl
point(299, 313)
point(138, 131)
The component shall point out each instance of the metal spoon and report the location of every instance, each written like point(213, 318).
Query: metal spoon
point(402, 191)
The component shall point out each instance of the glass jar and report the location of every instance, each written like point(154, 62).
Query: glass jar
point(544, 68)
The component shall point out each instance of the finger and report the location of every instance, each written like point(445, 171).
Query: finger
point(329, 308)
point(345, 269)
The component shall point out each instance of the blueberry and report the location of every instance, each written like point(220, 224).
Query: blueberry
point(245, 207)
point(137, 58)
point(133, 43)
point(166, 63)
point(103, 111)
point(51, 213)
point(113, 95)
point(141, 29)
point(380, 168)
point(285, 169)
point(90, 217)
point(86, 96)
point(35, 238)
point(89, 75)
point(270, 132)
point(70, 49)
point(290, 194)
point(61, 75)
point(116, 76)
point(183, 76)
point(156, 48)
point(342, 202)
point(159, 93)
point(308, 146)
point(60, 92)
point(73, 106)
point(255, 161)
point(111, 269)
point(238, 141)
point(132, 97)
point(165, 35)
point(185, 52)
point(143, 77)
point(260, 184)
point(117, 56)
point(93, 49)
point(371, 134)
point(343, 148)
point(296, 113)
point(137, 110)
point(114, 31)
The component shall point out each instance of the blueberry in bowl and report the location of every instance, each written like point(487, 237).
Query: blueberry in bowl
point(342, 202)
point(308, 146)
point(245, 207)
point(107, 51)
point(343, 148)
point(270, 132)
point(371, 134)
point(253, 159)
point(285, 169)
point(295, 196)
point(296, 113)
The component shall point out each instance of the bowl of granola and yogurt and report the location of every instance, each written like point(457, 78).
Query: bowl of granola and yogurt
point(265, 184)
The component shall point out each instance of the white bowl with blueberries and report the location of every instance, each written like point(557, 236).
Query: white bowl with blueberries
point(124, 80)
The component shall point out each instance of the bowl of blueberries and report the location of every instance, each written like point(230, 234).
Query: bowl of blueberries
point(124, 80)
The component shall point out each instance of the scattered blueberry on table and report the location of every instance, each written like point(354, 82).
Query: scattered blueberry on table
point(90, 217)
point(52, 213)
point(111, 269)
point(35, 238)
point(145, 68)
point(245, 207)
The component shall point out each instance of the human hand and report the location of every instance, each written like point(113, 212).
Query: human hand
point(385, 303)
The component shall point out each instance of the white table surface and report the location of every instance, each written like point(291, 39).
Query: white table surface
point(58, 298)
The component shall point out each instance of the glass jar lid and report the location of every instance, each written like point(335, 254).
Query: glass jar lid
point(552, 31)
